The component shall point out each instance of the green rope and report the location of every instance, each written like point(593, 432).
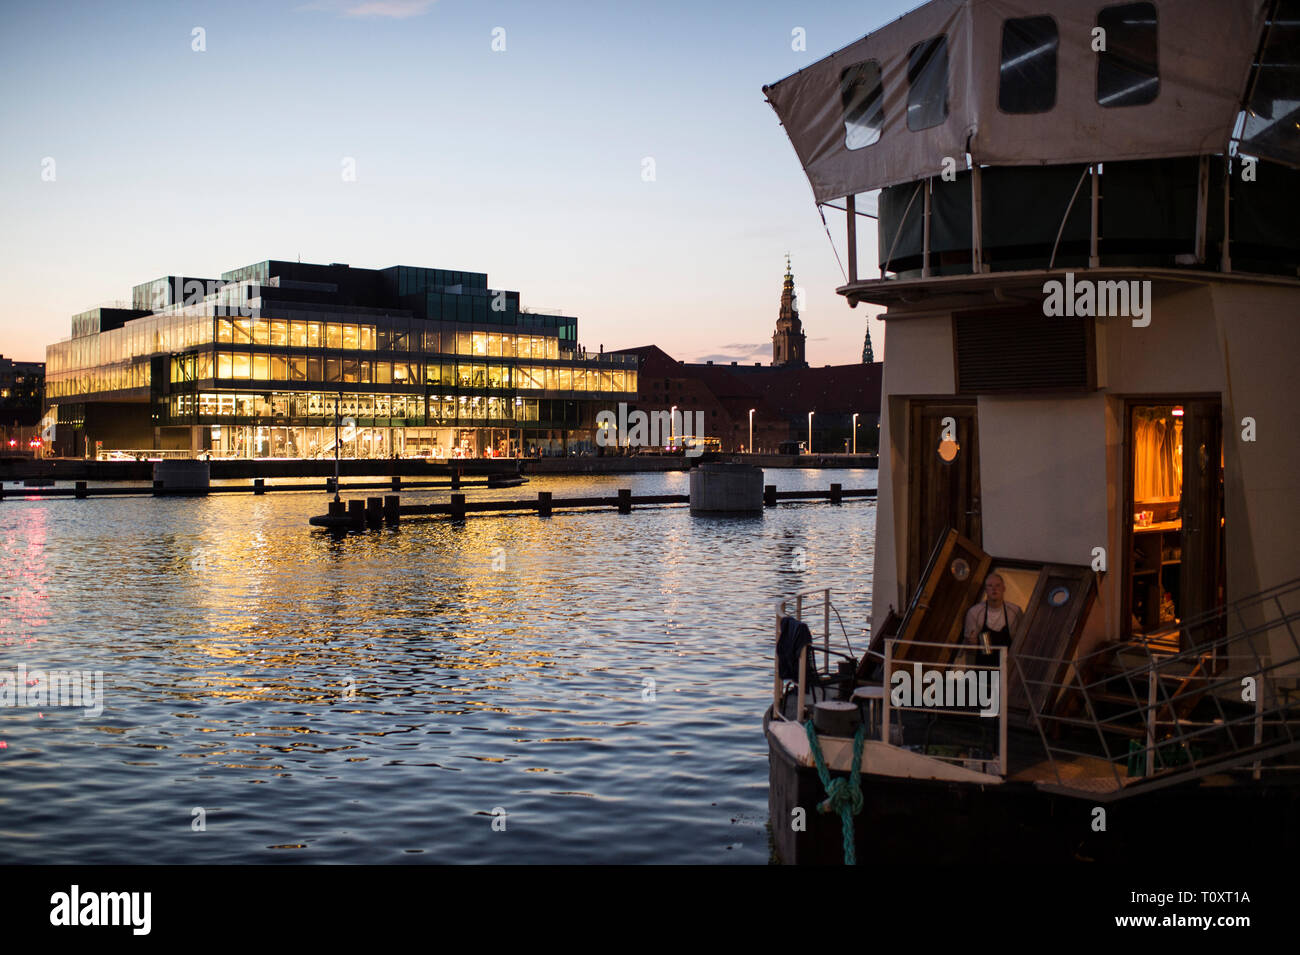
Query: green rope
point(842, 795)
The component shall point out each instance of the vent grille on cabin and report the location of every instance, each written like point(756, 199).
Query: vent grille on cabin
point(1022, 350)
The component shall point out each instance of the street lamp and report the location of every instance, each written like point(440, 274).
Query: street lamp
point(672, 428)
point(810, 444)
point(855, 432)
point(751, 430)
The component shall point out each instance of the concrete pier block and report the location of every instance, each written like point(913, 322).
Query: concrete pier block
point(732, 488)
point(181, 477)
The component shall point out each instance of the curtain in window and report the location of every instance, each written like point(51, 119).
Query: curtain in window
point(1157, 454)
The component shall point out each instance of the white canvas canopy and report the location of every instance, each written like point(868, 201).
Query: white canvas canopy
point(944, 80)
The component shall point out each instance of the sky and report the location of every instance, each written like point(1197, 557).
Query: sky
point(613, 161)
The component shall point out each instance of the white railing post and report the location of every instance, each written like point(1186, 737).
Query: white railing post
point(885, 686)
point(1003, 693)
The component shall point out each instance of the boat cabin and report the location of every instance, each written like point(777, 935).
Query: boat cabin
point(1086, 250)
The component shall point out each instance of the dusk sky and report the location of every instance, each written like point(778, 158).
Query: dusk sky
point(525, 163)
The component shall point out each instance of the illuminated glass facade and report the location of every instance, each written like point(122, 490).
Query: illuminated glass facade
point(260, 363)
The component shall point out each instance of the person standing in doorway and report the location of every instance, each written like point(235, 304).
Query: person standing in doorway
point(992, 621)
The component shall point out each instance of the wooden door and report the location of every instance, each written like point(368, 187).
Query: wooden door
point(1201, 509)
point(943, 480)
point(953, 580)
point(1044, 643)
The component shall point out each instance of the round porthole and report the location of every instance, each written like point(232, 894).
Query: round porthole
point(959, 569)
point(948, 450)
point(1058, 597)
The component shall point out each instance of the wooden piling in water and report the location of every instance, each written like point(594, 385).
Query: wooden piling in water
point(392, 508)
point(543, 503)
point(625, 500)
point(357, 512)
point(837, 493)
point(769, 495)
point(259, 486)
point(374, 511)
point(397, 483)
point(458, 507)
point(81, 489)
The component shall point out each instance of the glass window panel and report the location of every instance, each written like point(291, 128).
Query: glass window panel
point(261, 368)
point(365, 406)
point(225, 364)
point(241, 366)
point(351, 337)
point(927, 83)
point(1127, 74)
point(333, 369)
point(383, 372)
point(401, 372)
point(383, 406)
point(464, 343)
point(431, 342)
point(367, 372)
point(1027, 77)
point(367, 337)
point(863, 99)
point(333, 335)
point(507, 346)
point(498, 376)
point(315, 369)
point(552, 347)
point(314, 333)
point(279, 368)
point(351, 370)
point(298, 334)
point(297, 368)
point(565, 378)
point(494, 344)
point(280, 333)
point(464, 374)
point(243, 331)
point(225, 332)
point(552, 378)
point(261, 332)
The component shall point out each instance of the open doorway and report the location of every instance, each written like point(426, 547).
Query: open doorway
point(1173, 526)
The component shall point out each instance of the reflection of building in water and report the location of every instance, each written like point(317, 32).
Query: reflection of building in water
point(424, 362)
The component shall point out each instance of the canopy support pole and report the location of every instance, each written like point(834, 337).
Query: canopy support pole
point(850, 206)
point(1225, 264)
point(925, 240)
point(1093, 259)
point(1202, 206)
point(976, 220)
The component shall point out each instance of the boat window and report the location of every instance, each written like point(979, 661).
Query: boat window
point(863, 98)
point(1126, 68)
point(927, 81)
point(1027, 82)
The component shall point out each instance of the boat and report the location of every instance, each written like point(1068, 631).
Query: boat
point(1089, 263)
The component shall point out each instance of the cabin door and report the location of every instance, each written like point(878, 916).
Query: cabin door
point(1174, 554)
point(943, 480)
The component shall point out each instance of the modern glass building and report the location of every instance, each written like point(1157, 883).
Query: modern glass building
point(259, 363)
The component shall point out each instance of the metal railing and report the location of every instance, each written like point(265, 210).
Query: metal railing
point(1223, 704)
point(948, 687)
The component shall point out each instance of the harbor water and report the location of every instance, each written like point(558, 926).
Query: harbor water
point(586, 687)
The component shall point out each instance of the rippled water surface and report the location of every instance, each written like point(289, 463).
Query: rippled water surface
point(598, 678)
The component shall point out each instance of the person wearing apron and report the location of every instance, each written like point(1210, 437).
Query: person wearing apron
point(991, 622)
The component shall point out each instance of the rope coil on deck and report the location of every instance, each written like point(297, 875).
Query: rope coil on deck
point(842, 795)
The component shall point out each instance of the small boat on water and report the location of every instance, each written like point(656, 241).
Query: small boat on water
point(1089, 264)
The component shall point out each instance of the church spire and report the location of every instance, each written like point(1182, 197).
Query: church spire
point(868, 356)
point(789, 339)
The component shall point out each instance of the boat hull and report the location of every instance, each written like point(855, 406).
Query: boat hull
point(957, 823)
